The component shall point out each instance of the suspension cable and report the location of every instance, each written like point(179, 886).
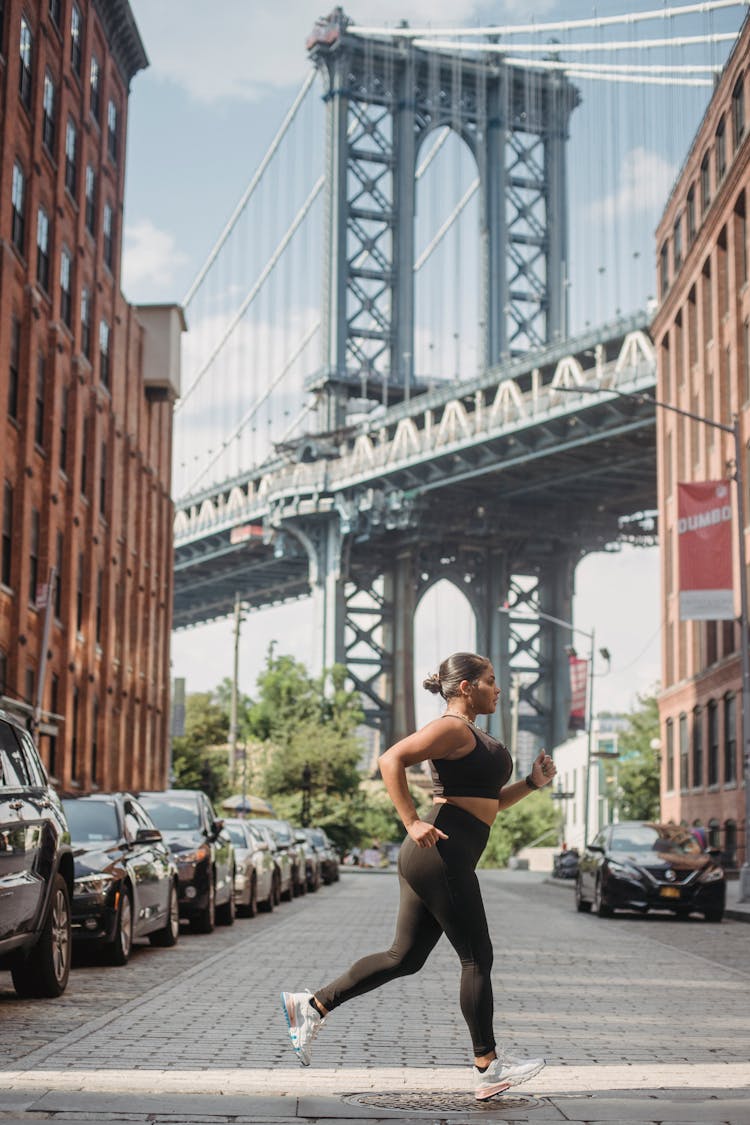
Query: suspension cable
point(433, 244)
point(291, 114)
point(267, 270)
point(432, 154)
point(560, 25)
point(255, 406)
point(555, 48)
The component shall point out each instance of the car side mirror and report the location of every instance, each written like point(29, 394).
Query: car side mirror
point(148, 836)
point(218, 827)
point(595, 848)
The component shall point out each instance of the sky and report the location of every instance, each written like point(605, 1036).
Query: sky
point(201, 117)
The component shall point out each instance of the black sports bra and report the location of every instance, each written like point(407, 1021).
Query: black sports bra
point(480, 773)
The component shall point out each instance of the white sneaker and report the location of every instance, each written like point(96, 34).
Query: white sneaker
point(304, 1022)
point(502, 1073)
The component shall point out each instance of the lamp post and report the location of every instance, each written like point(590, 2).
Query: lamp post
point(737, 477)
point(539, 616)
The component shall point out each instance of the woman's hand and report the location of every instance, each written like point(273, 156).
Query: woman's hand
point(543, 769)
point(425, 835)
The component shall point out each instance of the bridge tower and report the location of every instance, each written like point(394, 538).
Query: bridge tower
point(384, 96)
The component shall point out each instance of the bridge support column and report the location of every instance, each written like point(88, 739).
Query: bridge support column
point(322, 539)
point(556, 599)
point(493, 636)
point(400, 595)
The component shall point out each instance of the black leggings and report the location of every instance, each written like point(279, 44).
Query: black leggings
point(439, 895)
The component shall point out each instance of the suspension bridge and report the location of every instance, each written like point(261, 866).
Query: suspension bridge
point(381, 380)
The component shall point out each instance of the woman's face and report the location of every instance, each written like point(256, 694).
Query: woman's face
point(485, 692)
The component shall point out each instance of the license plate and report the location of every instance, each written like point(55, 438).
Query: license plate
point(670, 892)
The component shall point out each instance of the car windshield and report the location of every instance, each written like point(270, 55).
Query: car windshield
point(281, 831)
point(236, 835)
point(91, 822)
point(650, 838)
point(173, 814)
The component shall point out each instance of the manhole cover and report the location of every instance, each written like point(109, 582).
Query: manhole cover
point(457, 1102)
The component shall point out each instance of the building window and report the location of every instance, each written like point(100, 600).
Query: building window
point(48, 114)
point(112, 125)
point(677, 242)
point(94, 742)
point(54, 704)
point(714, 833)
point(95, 92)
point(86, 323)
point(705, 184)
point(720, 150)
point(76, 38)
point(107, 235)
point(740, 229)
point(55, 11)
point(669, 757)
point(58, 584)
point(708, 309)
point(64, 406)
point(664, 269)
point(13, 367)
point(18, 200)
point(42, 248)
point(71, 146)
point(98, 621)
point(29, 693)
point(7, 548)
point(683, 751)
point(90, 199)
point(24, 73)
point(729, 857)
point(39, 400)
point(34, 555)
point(697, 748)
point(738, 112)
point(66, 297)
point(713, 742)
point(79, 594)
point(730, 739)
point(74, 736)
point(104, 353)
point(103, 480)
point(690, 214)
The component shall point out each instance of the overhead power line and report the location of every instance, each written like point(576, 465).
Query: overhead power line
point(559, 25)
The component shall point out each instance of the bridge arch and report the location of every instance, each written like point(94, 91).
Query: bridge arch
point(444, 622)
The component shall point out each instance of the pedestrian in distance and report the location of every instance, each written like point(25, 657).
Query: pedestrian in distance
point(439, 890)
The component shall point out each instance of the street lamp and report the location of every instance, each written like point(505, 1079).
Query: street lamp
point(604, 653)
point(734, 430)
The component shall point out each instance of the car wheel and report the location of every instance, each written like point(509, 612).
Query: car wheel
point(118, 950)
point(601, 906)
point(167, 937)
point(226, 913)
point(204, 922)
point(715, 915)
point(582, 906)
point(46, 969)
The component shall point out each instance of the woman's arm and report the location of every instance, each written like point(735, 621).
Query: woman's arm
point(542, 772)
point(439, 739)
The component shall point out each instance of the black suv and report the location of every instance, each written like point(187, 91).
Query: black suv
point(36, 869)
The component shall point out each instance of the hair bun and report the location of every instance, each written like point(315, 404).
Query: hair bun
point(432, 683)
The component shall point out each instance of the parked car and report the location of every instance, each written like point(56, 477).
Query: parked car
point(36, 870)
point(313, 870)
point(255, 874)
point(284, 888)
point(204, 855)
point(284, 834)
point(327, 854)
point(126, 883)
point(642, 866)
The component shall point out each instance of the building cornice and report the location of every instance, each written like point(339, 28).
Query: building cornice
point(123, 37)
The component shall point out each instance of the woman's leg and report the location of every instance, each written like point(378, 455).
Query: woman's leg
point(417, 933)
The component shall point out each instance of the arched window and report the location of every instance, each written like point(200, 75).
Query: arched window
point(713, 743)
point(738, 112)
point(730, 739)
point(697, 748)
point(714, 833)
point(684, 745)
point(669, 756)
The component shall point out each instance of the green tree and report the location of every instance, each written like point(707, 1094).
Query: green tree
point(639, 765)
point(520, 825)
point(199, 759)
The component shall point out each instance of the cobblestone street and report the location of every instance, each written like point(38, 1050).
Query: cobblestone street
point(652, 1014)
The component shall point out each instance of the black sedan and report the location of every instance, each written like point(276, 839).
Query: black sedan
point(203, 852)
point(643, 866)
point(125, 880)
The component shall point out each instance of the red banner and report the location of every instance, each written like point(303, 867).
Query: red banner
point(578, 677)
point(704, 538)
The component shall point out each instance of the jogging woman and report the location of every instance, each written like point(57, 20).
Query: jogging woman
point(439, 890)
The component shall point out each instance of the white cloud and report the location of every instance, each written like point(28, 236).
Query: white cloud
point(150, 261)
point(645, 180)
point(244, 51)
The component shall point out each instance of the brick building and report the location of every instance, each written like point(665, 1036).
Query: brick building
point(702, 336)
point(87, 385)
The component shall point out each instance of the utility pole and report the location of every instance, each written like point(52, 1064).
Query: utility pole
point(235, 677)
